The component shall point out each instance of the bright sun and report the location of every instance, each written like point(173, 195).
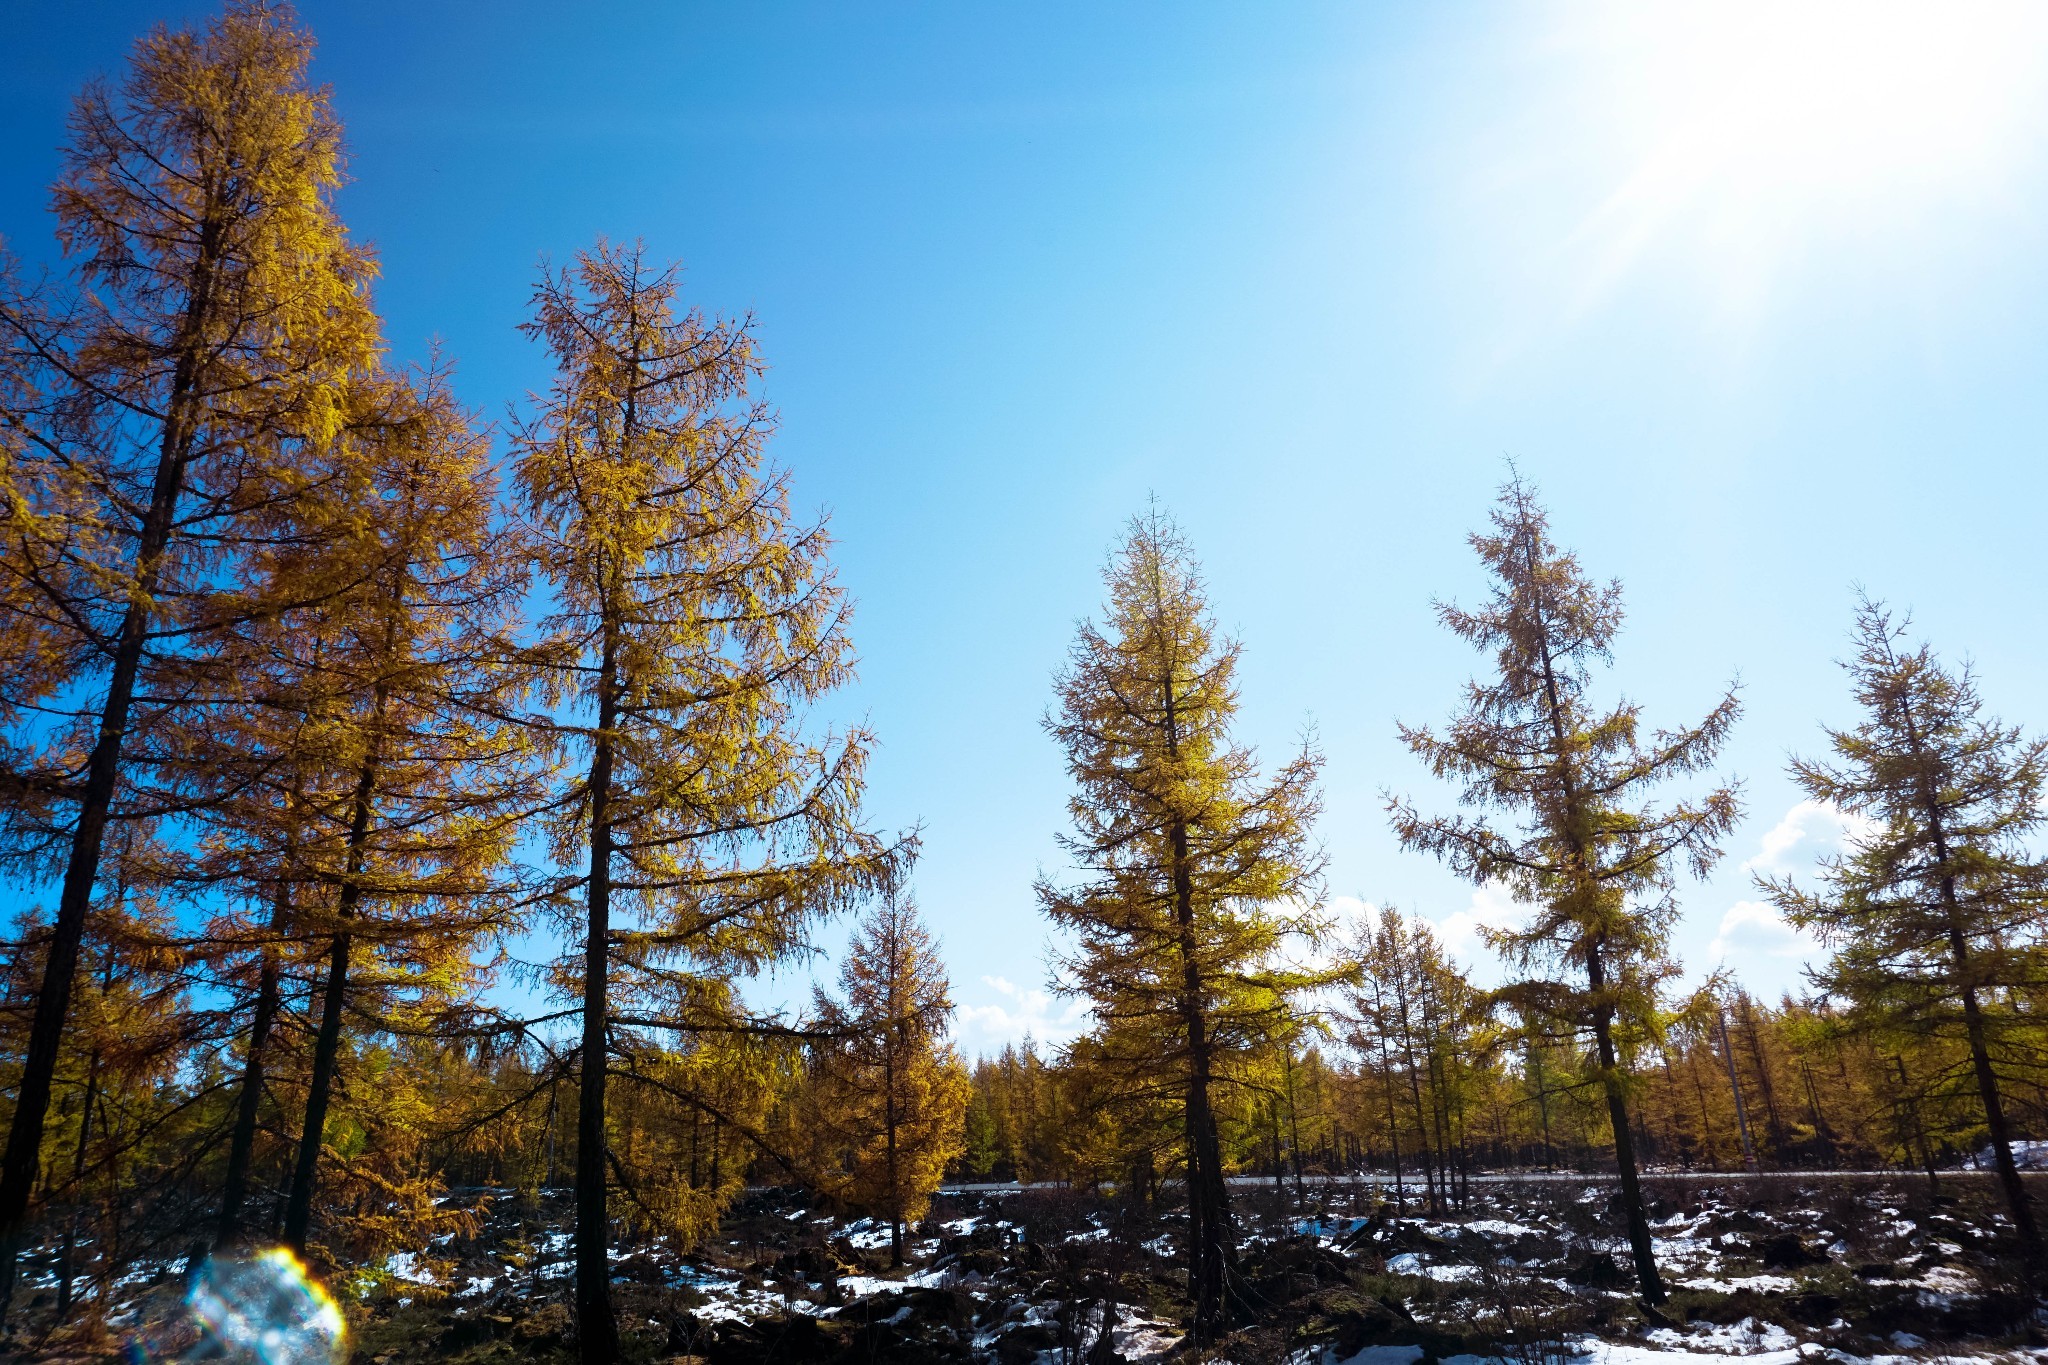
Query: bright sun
point(1759, 128)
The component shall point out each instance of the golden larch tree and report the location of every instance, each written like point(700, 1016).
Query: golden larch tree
point(184, 398)
point(1196, 872)
point(1935, 914)
point(887, 1089)
point(695, 620)
point(1592, 857)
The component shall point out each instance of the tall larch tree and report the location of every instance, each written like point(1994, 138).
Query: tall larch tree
point(695, 622)
point(1198, 875)
point(362, 788)
point(410, 843)
point(1591, 855)
point(887, 1087)
point(1935, 914)
point(185, 391)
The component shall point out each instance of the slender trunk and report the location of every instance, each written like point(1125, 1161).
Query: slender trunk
point(1208, 1202)
point(1387, 1081)
point(298, 1209)
point(1649, 1281)
point(243, 1144)
point(1973, 1016)
point(1735, 1088)
point(1994, 1118)
point(92, 1088)
point(1774, 1122)
point(889, 1139)
point(298, 1214)
point(1393, 1135)
point(1429, 1178)
point(1910, 1123)
point(2009, 1181)
point(596, 1329)
point(1439, 1118)
point(1294, 1132)
point(1692, 1069)
point(1584, 868)
point(1821, 1132)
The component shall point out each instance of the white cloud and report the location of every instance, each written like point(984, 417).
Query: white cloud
point(1805, 834)
point(1753, 938)
point(1018, 1011)
point(1492, 906)
point(1347, 913)
point(1753, 931)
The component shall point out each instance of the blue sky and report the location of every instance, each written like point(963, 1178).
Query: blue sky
point(1755, 295)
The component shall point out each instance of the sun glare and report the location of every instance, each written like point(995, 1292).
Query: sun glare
point(1758, 128)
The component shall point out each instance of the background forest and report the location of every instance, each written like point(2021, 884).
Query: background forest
point(326, 697)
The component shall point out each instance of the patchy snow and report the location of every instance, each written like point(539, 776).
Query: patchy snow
point(1500, 1227)
point(1762, 1284)
point(1383, 1355)
point(867, 1235)
point(2029, 1154)
point(1743, 1338)
point(408, 1266)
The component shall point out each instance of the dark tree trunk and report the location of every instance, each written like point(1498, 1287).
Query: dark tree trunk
point(92, 1089)
point(596, 1330)
point(242, 1145)
point(298, 1209)
point(298, 1213)
point(1208, 1200)
point(1735, 1088)
point(1994, 1119)
point(1648, 1280)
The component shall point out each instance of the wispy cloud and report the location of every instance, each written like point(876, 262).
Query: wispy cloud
point(1492, 907)
point(1805, 834)
point(1753, 937)
point(1753, 930)
point(1017, 1012)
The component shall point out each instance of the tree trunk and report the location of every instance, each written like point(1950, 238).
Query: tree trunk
point(1735, 1088)
point(1294, 1133)
point(889, 1137)
point(298, 1213)
point(298, 1209)
point(1208, 1201)
point(92, 1087)
point(1649, 1281)
point(1994, 1118)
point(1387, 1091)
point(242, 1145)
point(1774, 1121)
point(596, 1330)
point(1973, 1022)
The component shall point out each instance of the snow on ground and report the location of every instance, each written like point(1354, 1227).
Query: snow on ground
point(1011, 1276)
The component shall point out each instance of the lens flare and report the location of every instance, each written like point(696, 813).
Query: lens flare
point(267, 1308)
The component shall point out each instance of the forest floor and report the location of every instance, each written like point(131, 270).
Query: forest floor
point(1774, 1272)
